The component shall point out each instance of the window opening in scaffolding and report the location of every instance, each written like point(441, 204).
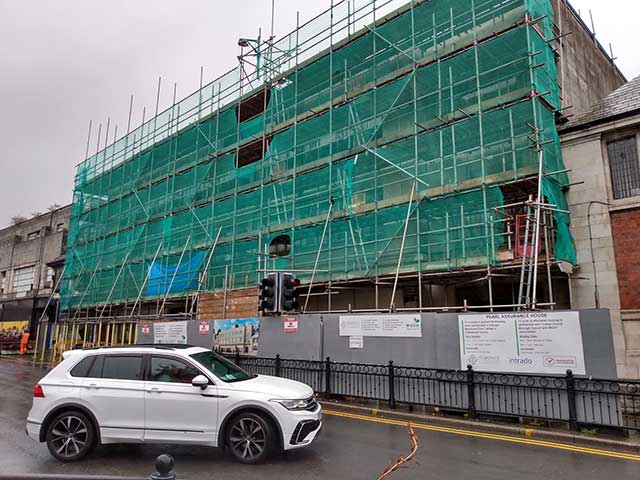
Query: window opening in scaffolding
point(251, 152)
point(253, 106)
point(280, 246)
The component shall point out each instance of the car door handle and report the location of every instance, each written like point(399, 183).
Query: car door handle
point(154, 390)
point(93, 385)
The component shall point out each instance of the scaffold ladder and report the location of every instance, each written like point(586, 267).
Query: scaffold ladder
point(528, 267)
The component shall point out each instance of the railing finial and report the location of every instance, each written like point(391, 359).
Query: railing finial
point(164, 468)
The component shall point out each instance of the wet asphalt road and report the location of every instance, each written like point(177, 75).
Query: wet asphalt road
point(346, 449)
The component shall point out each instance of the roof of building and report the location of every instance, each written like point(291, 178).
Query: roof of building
point(33, 219)
point(623, 102)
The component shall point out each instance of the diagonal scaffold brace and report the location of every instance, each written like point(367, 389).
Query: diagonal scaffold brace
point(315, 264)
point(404, 239)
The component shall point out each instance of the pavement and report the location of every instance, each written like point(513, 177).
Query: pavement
point(353, 445)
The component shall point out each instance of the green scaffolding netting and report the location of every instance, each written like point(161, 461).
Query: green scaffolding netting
point(441, 94)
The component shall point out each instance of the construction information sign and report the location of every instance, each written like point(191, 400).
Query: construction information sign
point(381, 326)
point(170, 332)
point(522, 342)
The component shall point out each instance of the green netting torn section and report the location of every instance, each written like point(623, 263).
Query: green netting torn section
point(565, 246)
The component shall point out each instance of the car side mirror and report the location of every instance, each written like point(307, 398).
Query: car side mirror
point(200, 381)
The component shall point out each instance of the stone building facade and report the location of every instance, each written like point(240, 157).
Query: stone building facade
point(32, 256)
point(600, 147)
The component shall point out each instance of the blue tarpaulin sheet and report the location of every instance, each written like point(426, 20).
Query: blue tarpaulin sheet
point(186, 276)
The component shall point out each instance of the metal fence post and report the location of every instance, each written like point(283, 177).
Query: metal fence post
point(277, 365)
point(571, 399)
point(392, 387)
point(327, 377)
point(471, 392)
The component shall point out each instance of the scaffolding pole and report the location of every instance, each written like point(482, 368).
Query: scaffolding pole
point(115, 282)
point(84, 334)
point(403, 170)
point(548, 260)
point(404, 238)
point(226, 287)
point(86, 290)
point(535, 210)
point(44, 341)
point(146, 279)
point(173, 277)
point(203, 280)
point(315, 264)
point(536, 230)
point(523, 288)
point(391, 239)
point(44, 312)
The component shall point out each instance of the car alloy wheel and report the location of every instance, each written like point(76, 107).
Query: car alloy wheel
point(249, 438)
point(70, 436)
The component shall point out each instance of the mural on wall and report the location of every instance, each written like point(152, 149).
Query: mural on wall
point(238, 334)
point(12, 331)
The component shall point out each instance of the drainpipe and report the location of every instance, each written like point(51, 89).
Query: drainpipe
point(596, 293)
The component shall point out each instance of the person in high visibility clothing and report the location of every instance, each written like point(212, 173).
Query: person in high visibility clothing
point(24, 342)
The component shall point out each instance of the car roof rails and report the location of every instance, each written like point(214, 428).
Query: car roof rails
point(172, 346)
point(162, 346)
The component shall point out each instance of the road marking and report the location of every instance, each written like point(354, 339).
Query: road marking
point(491, 436)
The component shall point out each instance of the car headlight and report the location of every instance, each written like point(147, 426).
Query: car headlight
point(294, 404)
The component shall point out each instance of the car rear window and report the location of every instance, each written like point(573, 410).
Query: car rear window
point(122, 367)
point(96, 369)
point(81, 370)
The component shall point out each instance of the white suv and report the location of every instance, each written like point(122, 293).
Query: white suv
point(168, 394)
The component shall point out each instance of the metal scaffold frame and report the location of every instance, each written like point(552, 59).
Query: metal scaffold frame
point(390, 127)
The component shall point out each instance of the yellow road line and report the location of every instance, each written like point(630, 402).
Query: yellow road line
point(491, 436)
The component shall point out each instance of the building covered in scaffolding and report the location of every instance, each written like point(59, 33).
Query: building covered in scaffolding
point(392, 155)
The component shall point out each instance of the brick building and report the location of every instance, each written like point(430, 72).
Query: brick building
point(601, 149)
point(32, 255)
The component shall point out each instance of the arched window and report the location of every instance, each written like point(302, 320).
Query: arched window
point(280, 246)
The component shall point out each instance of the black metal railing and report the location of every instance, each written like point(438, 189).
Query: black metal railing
point(577, 401)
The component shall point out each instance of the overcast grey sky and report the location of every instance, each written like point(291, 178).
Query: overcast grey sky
point(65, 62)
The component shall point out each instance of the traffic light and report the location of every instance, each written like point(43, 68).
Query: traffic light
point(287, 293)
point(268, 293)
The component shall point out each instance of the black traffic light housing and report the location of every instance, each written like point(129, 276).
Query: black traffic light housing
point(269, 294)
point(287, 293)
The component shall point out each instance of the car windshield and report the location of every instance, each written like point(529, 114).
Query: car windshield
point(222, 368)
